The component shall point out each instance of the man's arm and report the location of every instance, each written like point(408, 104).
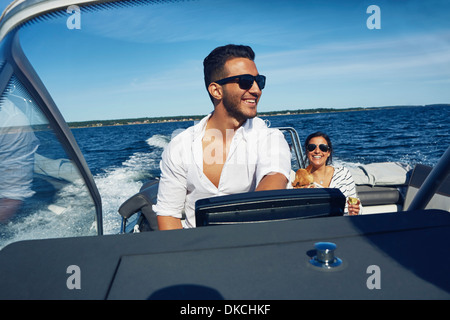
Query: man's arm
point(272, 181)
point(8, 207)
point(172, 186)
point(274, 160)
point(169, 223)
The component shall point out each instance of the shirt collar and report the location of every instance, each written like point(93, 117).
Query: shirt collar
point(244, 130)
point(199, 128)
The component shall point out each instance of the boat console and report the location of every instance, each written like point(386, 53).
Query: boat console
point(260, 206)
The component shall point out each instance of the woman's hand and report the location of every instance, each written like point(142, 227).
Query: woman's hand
point(353, 206)
point(353, 209)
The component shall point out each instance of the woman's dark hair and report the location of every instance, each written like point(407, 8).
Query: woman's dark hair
point(214, 63)
point(327, 138)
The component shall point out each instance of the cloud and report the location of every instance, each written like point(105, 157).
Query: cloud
point(418, 56)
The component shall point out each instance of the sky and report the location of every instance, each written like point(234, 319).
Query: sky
point(3, 4)
point(147, 61)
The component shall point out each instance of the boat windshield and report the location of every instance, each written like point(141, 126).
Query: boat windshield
point(41, 188)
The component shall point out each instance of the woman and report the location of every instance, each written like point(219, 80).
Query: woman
point(319, 153)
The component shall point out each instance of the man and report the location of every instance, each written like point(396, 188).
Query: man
point(230, 150)
point(18, 145)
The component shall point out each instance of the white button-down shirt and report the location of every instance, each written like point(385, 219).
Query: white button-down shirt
point(18, 145)
point(255, 151)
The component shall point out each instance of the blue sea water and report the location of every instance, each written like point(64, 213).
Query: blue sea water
point(121, 158)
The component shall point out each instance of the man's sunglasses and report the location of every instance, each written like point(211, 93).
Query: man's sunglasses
point(323, 147)
point(245, 81)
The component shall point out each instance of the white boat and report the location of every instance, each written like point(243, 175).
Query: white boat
point(282, 244)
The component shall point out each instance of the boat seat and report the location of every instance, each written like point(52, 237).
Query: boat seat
point(375, 196)
point(143, 202)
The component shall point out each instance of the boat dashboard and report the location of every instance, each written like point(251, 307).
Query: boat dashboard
point(259, 261)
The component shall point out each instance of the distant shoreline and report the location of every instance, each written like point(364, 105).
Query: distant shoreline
point(147, 120)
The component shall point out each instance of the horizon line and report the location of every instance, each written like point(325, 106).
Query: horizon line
point(262, 113)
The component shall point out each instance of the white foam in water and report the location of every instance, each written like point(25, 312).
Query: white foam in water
point(69, 216)
point(117, 185)
point(158, 140)
point(56, 209)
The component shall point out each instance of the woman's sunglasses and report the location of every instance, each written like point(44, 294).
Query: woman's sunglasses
point(323, 147)
point(245, 81)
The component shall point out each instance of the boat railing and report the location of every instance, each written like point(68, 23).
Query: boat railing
point(296, 145)
point(432, 183)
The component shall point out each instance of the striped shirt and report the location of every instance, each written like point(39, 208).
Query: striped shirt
point(342, 179)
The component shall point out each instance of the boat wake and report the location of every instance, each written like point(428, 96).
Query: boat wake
point(118, 184)
point(71, 214)
point(67, 218)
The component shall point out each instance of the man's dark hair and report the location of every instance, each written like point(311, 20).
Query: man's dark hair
point(214, 63)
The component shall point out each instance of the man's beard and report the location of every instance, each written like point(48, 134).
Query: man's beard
point(231, 105)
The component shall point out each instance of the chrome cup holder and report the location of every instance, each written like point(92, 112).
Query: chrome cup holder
point(324, 257)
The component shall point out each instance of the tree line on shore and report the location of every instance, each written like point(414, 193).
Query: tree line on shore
point(145, 120)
